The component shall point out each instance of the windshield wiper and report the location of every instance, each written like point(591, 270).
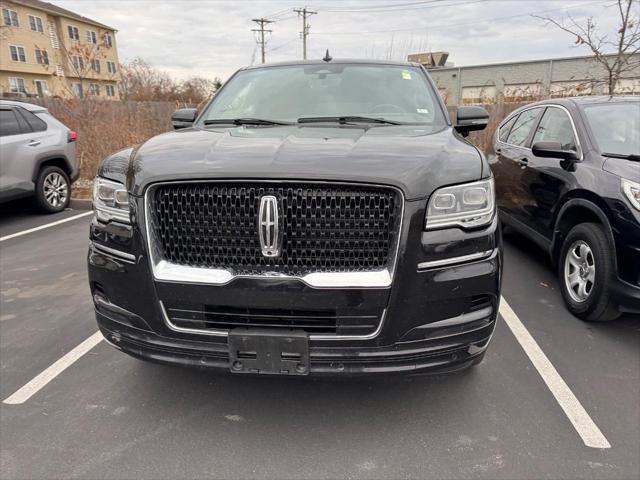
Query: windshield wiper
point(244, 121)
point(626, 156)
point(346, 119)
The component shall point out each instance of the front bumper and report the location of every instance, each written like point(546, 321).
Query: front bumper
point(438, 316)
point(441, 352)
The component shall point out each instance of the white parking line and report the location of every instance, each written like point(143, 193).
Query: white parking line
point(47, 225)
point(578, 416)
point(35, 385)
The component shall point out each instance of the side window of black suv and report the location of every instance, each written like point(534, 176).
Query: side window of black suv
point(556, 126)
point(521, 129)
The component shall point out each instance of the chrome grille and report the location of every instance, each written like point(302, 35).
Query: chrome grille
point(325, 227)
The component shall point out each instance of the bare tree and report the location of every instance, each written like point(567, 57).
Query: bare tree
point(198, 89)
point(140, 81)
point(614, 53)
point(83, 62)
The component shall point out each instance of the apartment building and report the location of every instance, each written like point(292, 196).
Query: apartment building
point(46, 50)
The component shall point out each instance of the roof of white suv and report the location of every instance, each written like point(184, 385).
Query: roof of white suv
point(27, 106)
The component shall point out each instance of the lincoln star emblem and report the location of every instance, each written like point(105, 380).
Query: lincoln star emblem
point(268, 226)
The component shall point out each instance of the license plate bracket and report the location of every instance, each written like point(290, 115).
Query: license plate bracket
point(268, 352)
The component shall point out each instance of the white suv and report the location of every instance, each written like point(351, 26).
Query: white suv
point(37, 156)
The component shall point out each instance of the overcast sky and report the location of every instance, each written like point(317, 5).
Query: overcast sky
point(213, 37)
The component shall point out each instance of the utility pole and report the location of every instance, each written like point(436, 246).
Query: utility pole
point(304, 13)
point(262, 22)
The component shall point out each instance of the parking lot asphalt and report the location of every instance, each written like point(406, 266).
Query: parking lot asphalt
point(111, 416)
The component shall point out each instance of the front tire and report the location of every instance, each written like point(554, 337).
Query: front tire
point(53, 190)
point(585, 269)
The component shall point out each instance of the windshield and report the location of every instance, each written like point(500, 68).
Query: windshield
point(285, 94)
point(616, 127)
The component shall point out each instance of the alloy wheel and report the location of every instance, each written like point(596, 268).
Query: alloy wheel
point(56, 189)
point(579, 271)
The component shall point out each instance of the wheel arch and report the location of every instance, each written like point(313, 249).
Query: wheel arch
point(575, 211)
point(60, 161)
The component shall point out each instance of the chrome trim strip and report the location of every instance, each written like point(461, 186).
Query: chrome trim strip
point(113, 252)
point(175, 328)
point(170, 272)
point(225, 333)
point(455, 260)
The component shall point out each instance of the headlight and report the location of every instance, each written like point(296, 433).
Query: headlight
point(632, 191)
point(469, 205)
point(110, 201)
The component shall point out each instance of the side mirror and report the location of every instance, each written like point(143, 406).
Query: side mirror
point(554, 150)
point(471, 118)
point(184, 118)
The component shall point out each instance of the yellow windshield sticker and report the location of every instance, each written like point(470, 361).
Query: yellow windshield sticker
point(406, 75)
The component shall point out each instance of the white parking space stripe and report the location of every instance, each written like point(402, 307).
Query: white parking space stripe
point(35, 385)
point(42, 227)
point(578, 416)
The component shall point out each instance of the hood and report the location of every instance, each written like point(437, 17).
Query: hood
point(623, 168)
point(410, 158)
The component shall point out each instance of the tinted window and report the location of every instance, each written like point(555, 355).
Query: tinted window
point(521, 129)
point(555, 126)
point(616, 126)
point(8, 123)
point(506, 128)
point(36, 124)
point(398, 93)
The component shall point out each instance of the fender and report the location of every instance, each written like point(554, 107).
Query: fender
point(49, 156)
point(556, 241)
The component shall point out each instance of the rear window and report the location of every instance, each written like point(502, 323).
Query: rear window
point(36, 124)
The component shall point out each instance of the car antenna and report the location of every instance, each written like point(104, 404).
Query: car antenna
point(327, 57)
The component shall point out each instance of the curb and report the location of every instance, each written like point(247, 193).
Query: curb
point(80, 204)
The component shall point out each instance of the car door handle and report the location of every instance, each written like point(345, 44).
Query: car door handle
point(523, 162)
point(33, 143)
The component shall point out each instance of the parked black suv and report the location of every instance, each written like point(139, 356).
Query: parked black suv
point(320, 217)
point(567, 175)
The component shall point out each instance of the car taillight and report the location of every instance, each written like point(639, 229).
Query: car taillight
point(72, 136)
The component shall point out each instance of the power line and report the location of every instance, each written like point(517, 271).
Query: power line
point(364, 32)
point(304, 13)
point(382, 8)
point(262, 22)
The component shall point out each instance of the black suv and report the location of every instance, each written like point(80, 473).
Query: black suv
point(320, 217)
point(567, 175)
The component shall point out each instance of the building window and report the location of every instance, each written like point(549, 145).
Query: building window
point(35, 24)
point(111, 67)
point(76, 88)
point(94, 89)
point(111, 90)
point(42, 57)
point(74, 33)
point(41, 88)
point(92, 37)
point(16, 85)
point(108, 40)
point(77, 63)
point(17, 54)
point(95, 65)
point(10, 17)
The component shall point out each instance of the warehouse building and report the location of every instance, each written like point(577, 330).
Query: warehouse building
point(524, 81)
